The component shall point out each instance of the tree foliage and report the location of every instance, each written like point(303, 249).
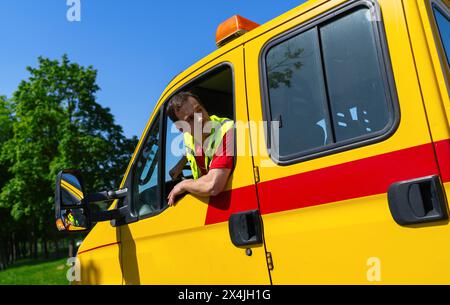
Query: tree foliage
point(53, 122)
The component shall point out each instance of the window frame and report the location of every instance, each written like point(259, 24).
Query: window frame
point(444, 58)
point(205, 74)
point(133, 212)
point(162, 117)
point(385, 66)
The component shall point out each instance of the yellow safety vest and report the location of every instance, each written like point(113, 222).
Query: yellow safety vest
point(72, 220)
point(214, 142)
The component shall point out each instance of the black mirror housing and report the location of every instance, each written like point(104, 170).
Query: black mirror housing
point(72, 211)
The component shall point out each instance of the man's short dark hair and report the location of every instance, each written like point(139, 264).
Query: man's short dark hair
point(177, 101)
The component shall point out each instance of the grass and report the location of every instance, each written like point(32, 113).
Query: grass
point(36, 272)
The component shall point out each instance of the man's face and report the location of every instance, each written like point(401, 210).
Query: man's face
point(193, 114)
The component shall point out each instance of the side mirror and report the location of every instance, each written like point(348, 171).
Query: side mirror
point(72, 210)
point(72, 205)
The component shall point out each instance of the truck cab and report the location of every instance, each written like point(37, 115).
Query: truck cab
point(342, 163)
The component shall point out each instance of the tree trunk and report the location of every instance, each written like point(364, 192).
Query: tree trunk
point(3, 263)
point(57, 248)
point(34, 246)
point(13, 247)
point(19, 248)
point(44, 245)
point(9, 250)
point(24, 248)
point(72, 248)
point(30, 247)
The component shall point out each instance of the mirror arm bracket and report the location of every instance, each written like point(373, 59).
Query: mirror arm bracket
point(107, 195)
point(110, 214)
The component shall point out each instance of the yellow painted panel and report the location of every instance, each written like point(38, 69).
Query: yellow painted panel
point(332, 243)
point(101, 266)
point(176, 246)
point(337, 243)
point(102, 234)
point(412, 130)
point(347, 241)
point(201, 255)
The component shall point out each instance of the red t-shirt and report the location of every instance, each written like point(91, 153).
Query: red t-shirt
point(224, 156)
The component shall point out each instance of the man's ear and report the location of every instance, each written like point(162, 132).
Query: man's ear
point(182, 126)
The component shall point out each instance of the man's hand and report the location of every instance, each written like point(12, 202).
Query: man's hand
point(177, 190)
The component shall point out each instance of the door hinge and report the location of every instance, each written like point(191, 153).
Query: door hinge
point(269, 260)
point(256, 173)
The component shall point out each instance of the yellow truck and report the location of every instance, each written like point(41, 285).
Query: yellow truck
point(342, 164)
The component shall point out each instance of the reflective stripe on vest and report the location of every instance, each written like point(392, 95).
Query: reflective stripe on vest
point(214, 139)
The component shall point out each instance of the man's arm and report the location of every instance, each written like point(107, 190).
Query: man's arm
point(210, 184)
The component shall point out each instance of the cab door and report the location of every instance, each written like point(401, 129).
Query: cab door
point(190, 243)
point(350, 190)
point(429, 27)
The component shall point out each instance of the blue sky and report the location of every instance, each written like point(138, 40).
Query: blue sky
point(137, 46)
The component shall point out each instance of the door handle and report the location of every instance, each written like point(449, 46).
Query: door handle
point(417, 201)
point(245, 228)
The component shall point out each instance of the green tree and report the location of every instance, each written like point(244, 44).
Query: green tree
point(6, 120)
point(7, 223)
point(58, 124)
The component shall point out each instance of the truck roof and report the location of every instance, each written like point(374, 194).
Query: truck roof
point(275, 22)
